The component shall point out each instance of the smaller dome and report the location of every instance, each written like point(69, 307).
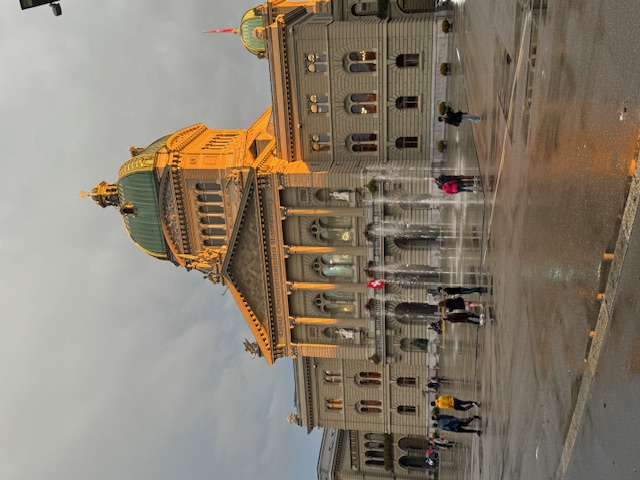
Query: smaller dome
point(252, 32)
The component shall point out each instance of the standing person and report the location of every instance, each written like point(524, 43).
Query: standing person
point(441, 443)
point(458, 303)
point(449, 423)
point(455, 118)
point(434, 382)
point(454, 186)
point(465, 179)
point(462, 316)
point(460, 290)
point(453, 403)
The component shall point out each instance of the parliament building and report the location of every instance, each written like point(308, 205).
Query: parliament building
point(329, 189)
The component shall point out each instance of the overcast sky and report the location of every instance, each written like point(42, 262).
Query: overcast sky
point(115, 365)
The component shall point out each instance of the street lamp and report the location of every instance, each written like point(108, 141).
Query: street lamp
point(57, 9)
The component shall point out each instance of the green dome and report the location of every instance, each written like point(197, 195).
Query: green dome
point(252, 32)
point(138, 195)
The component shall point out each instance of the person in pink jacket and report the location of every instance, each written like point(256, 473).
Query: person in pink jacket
point(454, 186)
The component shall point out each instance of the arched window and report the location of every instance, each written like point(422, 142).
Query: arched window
point(407, 382)
point(406, 102)
point(406, 409)
point(333, 230)
point(407, 142)
point(212, 220)
point(374, 445)
point(369, 379)
point(378, 437)
point(374, 454)
point(413, 444)
point(414, 463)
point(208, 187)
point(362, 103)
point(213, 232)
point(414, 312)
point(336, 304)
point(363, 142)
point(334, 404)
point(362, 61)
point(320, 142)
point(316, 62)
point(213, 242)
point(408, 60)
point(414, 344)
point(331, 376)
point(209, 198)
point(210, 209)
point(369, 406)
point(374, 463)
point(415, 6)
point(331, 266)
point(364, 8)
point(318, 103)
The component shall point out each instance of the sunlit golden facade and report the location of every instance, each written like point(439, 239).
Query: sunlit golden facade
point(284, 213)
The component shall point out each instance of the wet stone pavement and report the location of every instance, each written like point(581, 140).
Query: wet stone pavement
point(556, 150)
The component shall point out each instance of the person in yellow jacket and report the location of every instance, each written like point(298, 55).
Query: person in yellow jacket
point(453, 403)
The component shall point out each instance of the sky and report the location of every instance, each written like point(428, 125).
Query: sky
point(113, 364)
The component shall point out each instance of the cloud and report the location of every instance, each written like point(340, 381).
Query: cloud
point(114, 364)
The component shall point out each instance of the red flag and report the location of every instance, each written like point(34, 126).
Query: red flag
point(226, 30)
point(377, 284)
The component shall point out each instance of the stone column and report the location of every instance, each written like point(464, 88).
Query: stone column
point(327, 287)
point(338, 250)
point(321, 212)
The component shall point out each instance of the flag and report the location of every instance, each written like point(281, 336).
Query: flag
point(377, 284)
point(226, 30)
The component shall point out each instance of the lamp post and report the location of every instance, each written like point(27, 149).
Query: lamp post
point(57, 9)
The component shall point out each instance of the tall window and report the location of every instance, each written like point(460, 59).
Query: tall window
point(369, 379)
point(407, 409)
point(331, 376)
point(364, 8)
point(363, 142)
point(408, 60)
point(320, 142)
point(407, 142)
point(361, 62)
point(406, 102)
point(318, 103)
point(334, 404)
point(363, 103)
point(407, 382)
point(316, 62)
point(336, 304)
point(333, 230)
point(369, 406)
point(332, 266)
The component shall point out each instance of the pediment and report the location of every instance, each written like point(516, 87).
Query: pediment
point(245, 267)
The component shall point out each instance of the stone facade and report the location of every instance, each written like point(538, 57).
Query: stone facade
point(329, 189)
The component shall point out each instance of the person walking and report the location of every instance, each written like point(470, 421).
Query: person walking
point(455, 118)
point(449, 423)
point(462, 316)
point(460, 290)
point(453, 403)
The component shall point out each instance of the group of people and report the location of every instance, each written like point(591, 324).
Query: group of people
point(456, 308)
point(450, 423)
